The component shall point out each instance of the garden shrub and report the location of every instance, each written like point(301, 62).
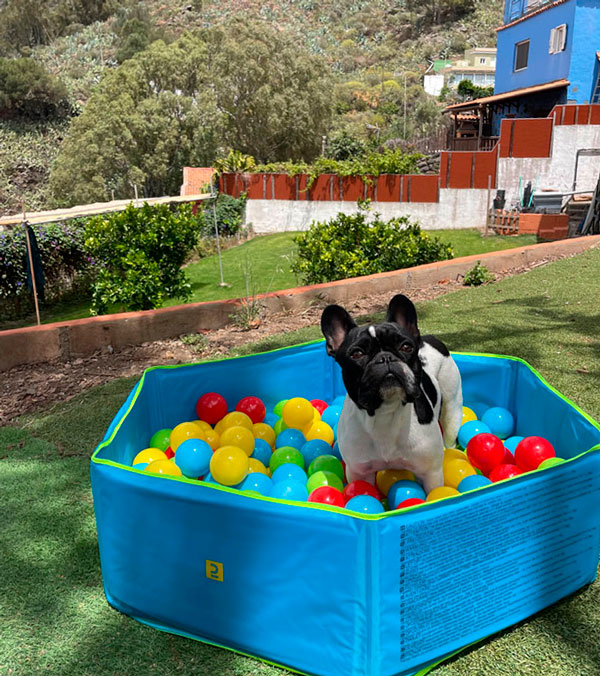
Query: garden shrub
point(230, 216)
point(352, 245)
point(140, 252)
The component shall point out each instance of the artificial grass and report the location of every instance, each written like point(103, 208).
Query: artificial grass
point(53, 615)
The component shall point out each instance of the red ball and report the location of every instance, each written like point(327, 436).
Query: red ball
point(504, 471)
point(485, 451)
point(410, 502)
point(169, 453)
point(211, 407)
point(360, 487)
point(532, 451)
point(253, 407)
point(319, 404)
point(509, 458)
point(327, 495)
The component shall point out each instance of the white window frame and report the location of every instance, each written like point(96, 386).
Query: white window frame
point(558, 39)
point(517, 44)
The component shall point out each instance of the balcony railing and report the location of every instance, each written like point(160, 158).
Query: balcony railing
point(473, 143)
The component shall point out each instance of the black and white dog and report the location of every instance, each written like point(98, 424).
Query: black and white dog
point(399, 384)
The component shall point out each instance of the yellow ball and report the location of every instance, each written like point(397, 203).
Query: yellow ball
point(183, 431)
point(233, 419)
point(149, 455)
point(167, 467)
point(204, 426)
point(455, 471)
point(386, 477)
point(265, 432)
point(441, 492)
point(454, 454)
point(212, 439)
point(316, 418)
point(320, 430)
point(229, 465)
point(240, 437)
point(255, 465)
point(297, 412)
point(468, 415)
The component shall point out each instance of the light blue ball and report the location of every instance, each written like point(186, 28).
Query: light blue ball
point(193, 457)
point(470, 483)
point(313, 449)
point(271, 419)
point(500, 421)
point(289, 471)
point(338, 401)
point(404, 490)
point(140, 465)
point(365, 504)
point(290, 490)
point(469, 430)
point(290, 437)
point(336, 451)
point(256, 481)
point(331, 415)
point(512, 442)
point(262, 451)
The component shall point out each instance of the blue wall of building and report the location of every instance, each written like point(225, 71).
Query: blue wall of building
point(542, 67)
point(584, 63)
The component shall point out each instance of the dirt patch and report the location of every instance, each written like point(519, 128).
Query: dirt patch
point(35, 387)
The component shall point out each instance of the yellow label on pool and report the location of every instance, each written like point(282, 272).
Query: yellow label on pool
point(214, 570)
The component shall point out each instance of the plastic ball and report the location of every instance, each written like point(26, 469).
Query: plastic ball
point(262, 451)
point(327, 495)
point(141, 465)
point(167, 467)
point(326, 463)
point(160, 439)
point(502, 472)
point(211, 407)
point(289, 471)
point(331, 415)
point(315, 419)
point(203, 425)
point(410, 502)
point(234, 419)
point(511, 443)
point(500, 421)
point(468, 415)
point(485, 451)
point(270, 419)
point(253, 407)
point(454, 454)
point(469, 430)
point(212, 438)
point(470, 483)
point(297, 412)
point(286, 454)
point(336, 450)
point(319, 404)
point(360, 487)
point(169, 453)
point(256, 467)
point(290, 437)
point(404, 489)
point(193, 457)
point(313, 449)
point(440, 493)
point(478, 408)
point(324, 479)
point(365, 504)
point(387, 477)
point(149, 455)
point(320, 430)
point(509, 458)
point(532, 451)
point(278, 408)
point(290, 490)
point(455, 471)
point(229, 465)
point(264, 431)
point(339, 400)
point(241, 437)
point(183, 431)
point(279, 426)
point(257, 481)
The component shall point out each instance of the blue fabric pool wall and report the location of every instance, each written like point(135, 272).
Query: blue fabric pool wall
point(319, 590)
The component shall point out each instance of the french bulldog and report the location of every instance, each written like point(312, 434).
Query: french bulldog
point(403, 389)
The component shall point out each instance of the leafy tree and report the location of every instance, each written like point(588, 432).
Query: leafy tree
point(342, 146)
point(28, 90)
point(468, 91)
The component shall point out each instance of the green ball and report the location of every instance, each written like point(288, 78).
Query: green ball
point(278, 410)
point(279, 426)
point(550, 462)
point(284, 455)
point(322, 478)
point(326, 463)
point(160, 439)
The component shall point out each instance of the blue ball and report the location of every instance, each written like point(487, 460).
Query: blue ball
point(404, 490)
point(512, 442)
point(365, 504)
point(262, 451)
point(193, 457)
point(331, 415)
point(470, 483)
point(256, 481)
point(469, 430)
point(289, 471)
point(290, 437)
point(338, 401)
point(313, 449)
point(209, 480)
point(336, 450)
point(290, 490)
point(500, 421)
point(270, 419)
point(140, 465)
point(478, 408)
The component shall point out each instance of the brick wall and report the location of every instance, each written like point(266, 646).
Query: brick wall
point(195, 180)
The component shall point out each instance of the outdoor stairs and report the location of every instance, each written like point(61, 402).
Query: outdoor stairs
point(577, 211)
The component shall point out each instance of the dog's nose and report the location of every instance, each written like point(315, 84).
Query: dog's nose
point(385, 358)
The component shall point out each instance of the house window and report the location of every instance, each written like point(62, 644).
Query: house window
point(521, 55)
point(482, 60)
point(558, 39)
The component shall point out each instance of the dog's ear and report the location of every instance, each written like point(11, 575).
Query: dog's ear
point(402, 311)
point(335, 324)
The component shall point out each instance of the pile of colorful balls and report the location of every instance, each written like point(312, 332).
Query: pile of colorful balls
point(292, 454)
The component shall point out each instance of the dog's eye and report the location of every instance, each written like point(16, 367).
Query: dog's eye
point(406, 348)
point(357, 354)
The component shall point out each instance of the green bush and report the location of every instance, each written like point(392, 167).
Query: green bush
point(478, 275)
point(140, 253)
point(230, 216)
point(352, 246)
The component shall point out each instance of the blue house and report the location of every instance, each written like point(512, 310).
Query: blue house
point(548, 54)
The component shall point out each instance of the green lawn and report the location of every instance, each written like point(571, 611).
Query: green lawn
point(53, 614)
point(262, 265)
